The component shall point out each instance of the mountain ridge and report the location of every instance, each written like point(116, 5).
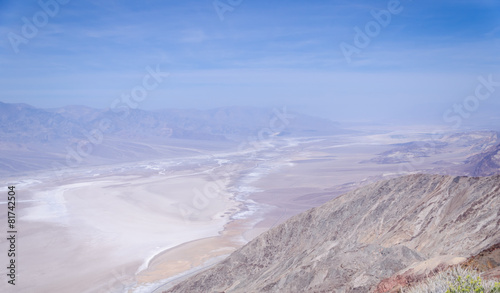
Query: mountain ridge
point(355, 241)
point(36, 139)
point(222, 122)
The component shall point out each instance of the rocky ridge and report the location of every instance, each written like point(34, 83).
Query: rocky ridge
point(355, 241)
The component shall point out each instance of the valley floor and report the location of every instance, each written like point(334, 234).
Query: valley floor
point(138, 226)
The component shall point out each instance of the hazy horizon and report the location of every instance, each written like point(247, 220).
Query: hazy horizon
point(412, 61)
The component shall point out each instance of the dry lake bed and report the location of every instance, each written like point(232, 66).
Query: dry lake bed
point(143, 226)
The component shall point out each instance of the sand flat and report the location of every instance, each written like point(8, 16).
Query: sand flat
point(172, 265)
point(107, 229)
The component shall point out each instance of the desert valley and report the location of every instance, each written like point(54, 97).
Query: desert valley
point(232, 146)
point(179, 207)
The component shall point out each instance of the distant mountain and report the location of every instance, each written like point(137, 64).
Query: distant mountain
point(478, 145)
point(33, 138)
point(486, 163)
point(368, 240)
point(24, 123)
point(20, 121)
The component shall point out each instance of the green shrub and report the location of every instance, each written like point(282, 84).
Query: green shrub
point(457, 280)
point(469, 284)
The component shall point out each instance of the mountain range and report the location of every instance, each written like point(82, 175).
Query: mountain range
point(36, 139)
point(22, 122)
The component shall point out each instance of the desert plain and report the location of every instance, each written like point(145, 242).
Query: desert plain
point(144, 226)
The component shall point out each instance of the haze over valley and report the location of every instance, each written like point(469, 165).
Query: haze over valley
point(249, 146)
point(184, 198)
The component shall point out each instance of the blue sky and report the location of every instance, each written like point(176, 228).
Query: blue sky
point(262, 53)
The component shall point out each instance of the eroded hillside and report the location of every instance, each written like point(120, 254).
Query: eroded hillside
point(353, 242)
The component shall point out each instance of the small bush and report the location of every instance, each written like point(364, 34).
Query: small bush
point(457, 280)
point(469, 284)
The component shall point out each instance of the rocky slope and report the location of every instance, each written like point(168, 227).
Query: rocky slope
point(355, 241)
point(487, 261)
point(486, 163)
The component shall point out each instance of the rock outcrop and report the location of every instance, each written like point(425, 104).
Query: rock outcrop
point(487, 262)
point(355, 241)
point(486, 163)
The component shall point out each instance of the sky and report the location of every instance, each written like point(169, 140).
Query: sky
point(344, 60)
